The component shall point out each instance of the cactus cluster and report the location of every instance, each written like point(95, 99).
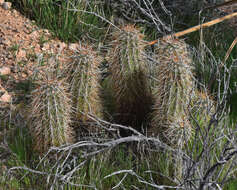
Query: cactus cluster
point(64, 98)
point(127, 66)
point(161, 104)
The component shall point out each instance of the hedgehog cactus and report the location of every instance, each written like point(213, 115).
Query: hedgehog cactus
point(129, 84)
point(84, 78)
point(203, 107)
point(50, 109)
point(173, 92)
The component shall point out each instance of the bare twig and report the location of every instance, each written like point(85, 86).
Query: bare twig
point(195, 28)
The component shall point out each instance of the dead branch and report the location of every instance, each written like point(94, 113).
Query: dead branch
point(196, 28)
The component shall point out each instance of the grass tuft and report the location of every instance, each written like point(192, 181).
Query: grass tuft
point(69, 20)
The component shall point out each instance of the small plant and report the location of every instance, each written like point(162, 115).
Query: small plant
point(14, 49)
point(20, 143)
point(232, 185)
point(22, 63)
point(31, 56)
point(42, 40)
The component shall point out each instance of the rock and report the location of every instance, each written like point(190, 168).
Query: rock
point(46, 32)
point(51, 61)
point(34, 34)
point(37, 49)
point(7, 5)
point(5, 71)
point(6, 97)
point(1, 2)
point(6, 42)
point(73, 46)
point(23, 75)
point(61, 45)
point(40, 57)
point(46, 46)
point(14, 12)
point(21, 54)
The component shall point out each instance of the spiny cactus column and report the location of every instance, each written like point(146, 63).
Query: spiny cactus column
point(129, 84)
point(203, 107)
point(84, 77)
point(50, 107)
point(173, 91)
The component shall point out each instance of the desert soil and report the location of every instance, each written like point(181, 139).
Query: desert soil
point(23, 46)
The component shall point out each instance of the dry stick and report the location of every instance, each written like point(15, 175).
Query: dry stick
point(213, 79)
point(195, 28)
point(229, 50)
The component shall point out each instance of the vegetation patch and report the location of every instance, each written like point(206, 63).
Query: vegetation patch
point(157, 115)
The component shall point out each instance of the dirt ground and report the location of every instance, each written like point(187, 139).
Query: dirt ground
point(23, 45)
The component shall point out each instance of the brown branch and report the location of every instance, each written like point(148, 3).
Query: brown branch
point(223, 62)
point(195, 28)
point(230, 50)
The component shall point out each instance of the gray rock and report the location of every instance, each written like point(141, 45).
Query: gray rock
point(7, 5)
